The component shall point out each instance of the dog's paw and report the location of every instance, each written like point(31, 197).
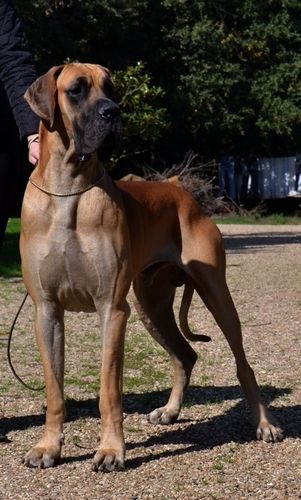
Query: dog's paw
point(163, 416)
point(269, 433)
point(40, 457)
point(108, 461)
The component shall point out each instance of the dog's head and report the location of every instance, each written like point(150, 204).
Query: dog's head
point(81, 99)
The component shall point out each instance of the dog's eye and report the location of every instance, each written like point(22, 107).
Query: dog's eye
point(75, 91)
point(78, 90)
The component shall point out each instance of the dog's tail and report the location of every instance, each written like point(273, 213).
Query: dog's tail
point(183, 316)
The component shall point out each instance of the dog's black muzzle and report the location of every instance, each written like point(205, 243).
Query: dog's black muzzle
point(108, 110)
point(99, 129)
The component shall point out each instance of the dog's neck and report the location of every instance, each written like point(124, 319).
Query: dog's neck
point(60, 169)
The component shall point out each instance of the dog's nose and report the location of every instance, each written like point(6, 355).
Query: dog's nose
point(109, 110)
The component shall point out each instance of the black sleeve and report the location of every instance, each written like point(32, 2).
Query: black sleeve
point(17, 70)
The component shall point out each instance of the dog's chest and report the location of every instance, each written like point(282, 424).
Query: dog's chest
point(77, 269)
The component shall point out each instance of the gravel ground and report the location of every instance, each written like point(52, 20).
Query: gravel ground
point(210, 453)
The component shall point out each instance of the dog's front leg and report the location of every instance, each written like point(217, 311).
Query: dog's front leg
point(111, 452)
point(50, 338)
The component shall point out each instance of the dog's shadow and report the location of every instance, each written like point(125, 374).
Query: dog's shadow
point(233, 425)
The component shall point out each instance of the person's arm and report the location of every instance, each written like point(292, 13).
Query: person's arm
point(17, 72)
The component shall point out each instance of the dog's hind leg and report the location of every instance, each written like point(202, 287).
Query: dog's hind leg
point(210, 283)
point(154, 304)
point(50, 339)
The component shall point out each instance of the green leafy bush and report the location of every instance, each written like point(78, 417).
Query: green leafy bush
point(143, 120)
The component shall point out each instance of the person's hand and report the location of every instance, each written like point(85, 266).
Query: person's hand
point(33, 148)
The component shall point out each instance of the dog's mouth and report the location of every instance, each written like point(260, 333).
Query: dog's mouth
point(99, 130)
point(110, 144)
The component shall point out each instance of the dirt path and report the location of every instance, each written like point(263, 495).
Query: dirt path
point(210, 452)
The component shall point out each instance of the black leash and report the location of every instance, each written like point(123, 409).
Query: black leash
point(9, 349)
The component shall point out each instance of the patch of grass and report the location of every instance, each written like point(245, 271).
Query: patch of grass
point(143, 363)
point(132, 429)
point(274, 219)
point(9, 254)
point(6, 387)
point(5, 289)
point(84, 383)
point(149, 377)
point(220, 464)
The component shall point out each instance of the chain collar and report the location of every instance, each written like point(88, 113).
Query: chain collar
point(65, 195)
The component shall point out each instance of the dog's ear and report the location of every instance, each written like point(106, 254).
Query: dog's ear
point(41, 95)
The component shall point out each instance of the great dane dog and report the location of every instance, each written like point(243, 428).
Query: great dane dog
point(85, 239)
